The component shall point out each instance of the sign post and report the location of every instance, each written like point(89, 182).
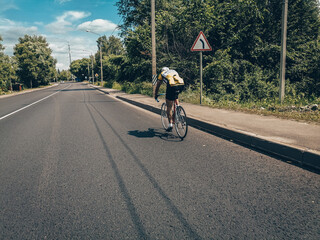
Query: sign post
point(201, 44)
point(201, 82)
point(96, 75)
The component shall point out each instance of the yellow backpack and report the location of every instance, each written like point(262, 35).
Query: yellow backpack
point(173, 77)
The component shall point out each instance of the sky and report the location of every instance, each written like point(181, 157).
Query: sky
point(61, 22)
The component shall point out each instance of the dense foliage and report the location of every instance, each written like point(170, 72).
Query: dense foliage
point(245, 35)
point(7, 70)
point(36, 65)
point(81, 68)
point(64, 75)
point(31, 66)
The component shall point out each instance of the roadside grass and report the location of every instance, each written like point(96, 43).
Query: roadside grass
point(293, 109)
point(299, 111)
point(5, 92)
point(24, 89)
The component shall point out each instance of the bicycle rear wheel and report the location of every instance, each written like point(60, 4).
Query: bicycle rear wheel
point(181, 125)
point(164, 117)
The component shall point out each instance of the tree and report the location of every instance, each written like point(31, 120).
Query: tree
point(245, 36)
point(134, 13)
point(64, 75)
point(36, 65)
point(7, 70)
point(304, 46)
point(111, 45)
point(1, 46)
point(79, 68)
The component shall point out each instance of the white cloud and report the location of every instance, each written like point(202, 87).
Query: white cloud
point(98, 25)
point(11, 31)
point(61, 66)
point(64, 23)
point(6, 5)
point(59, 27)
point(79, 48)
point(62, 1)
point(39, 23)
point(73, 15)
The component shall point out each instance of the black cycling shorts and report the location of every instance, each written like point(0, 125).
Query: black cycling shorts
point(172, 93)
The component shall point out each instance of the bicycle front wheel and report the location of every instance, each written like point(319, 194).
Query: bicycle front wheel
point(181, 125)
point(164, 117)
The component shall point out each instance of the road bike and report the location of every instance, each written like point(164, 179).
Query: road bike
point(180, 119)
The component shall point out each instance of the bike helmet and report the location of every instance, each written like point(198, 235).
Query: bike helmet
point(164, 69)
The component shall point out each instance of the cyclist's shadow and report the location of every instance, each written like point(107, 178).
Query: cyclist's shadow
point(151, 133)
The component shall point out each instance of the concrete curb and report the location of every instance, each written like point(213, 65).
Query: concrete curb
point(298, 155)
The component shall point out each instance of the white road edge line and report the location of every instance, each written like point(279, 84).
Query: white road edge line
point(1, 118)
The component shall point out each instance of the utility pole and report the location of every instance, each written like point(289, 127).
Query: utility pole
point(69, 53)
point(69, 57)
point(89, 71)
point(100, 47)
point(90, 58)
point(283, 49)
point(92, 70)
point(101, 70)
point(153, 38)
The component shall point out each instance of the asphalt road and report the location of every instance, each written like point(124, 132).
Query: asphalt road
point(83, 165)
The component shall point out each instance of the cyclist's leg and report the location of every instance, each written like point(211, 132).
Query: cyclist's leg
point(176, 96)
point(170, 98)
point(176, 103)
point(169, 110)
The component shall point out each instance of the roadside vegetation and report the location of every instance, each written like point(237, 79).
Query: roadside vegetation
point(242, 73)
point(293, 109)
point(31, 66)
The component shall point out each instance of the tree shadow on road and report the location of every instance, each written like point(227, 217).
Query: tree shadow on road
point(151, 133)
point(136, 218)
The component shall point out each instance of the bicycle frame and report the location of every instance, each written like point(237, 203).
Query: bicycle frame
point(179, 118)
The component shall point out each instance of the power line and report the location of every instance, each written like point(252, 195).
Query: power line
point(116, 26)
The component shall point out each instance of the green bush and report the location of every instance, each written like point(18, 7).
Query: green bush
point(108, 84)
point(146, 88)
point(116, 85)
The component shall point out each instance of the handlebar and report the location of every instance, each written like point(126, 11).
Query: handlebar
point(161, 94)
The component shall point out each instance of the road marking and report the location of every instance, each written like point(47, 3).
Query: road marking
point(1, 118)
point(203, 46)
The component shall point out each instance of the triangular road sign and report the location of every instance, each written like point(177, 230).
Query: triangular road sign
point(201, 43)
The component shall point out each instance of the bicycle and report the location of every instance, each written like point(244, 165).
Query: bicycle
point(180, 119)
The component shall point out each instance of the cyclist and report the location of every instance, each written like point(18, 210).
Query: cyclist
point(174, 86)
